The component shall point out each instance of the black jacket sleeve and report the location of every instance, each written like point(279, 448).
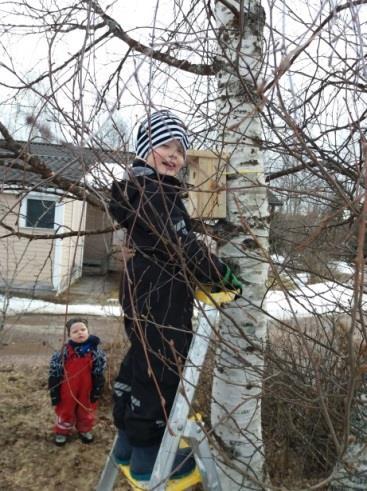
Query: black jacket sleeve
point(54, 389)
point(161, 216)
point(55, 376)
point(119, 206)
point(195, 256)
point(98, 382)
point(98, 368)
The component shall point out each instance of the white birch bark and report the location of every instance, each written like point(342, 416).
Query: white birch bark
point(237, 385)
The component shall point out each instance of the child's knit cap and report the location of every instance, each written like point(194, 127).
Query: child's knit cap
point(74, 320)
point(157, 129)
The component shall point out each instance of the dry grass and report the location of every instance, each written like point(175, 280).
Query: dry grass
point(306, 364)
point(29, 459)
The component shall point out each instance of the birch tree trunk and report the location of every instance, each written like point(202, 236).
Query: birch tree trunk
point(237, 385)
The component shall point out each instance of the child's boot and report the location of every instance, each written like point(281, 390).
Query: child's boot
point(86, 437)
point(60, 439)
point(143, 460)
point(122, 450)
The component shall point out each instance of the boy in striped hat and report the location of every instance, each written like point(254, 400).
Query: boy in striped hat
point(157, 291)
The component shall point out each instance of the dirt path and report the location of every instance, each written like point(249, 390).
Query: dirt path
point(29, 340)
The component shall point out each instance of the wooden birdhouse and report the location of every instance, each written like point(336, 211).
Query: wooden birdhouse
point(206, 180)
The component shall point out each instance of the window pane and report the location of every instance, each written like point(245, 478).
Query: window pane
point(40, 213)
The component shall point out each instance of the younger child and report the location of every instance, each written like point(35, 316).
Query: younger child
point(76, 381)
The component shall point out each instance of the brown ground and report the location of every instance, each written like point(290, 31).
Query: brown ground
point(31, 462)
point(29, 459)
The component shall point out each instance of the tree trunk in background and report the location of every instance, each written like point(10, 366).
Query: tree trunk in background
point(237, 385)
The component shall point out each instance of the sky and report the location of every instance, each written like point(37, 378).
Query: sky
point(143, 19)
point(29, 54)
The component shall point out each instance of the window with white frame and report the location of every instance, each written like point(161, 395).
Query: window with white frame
point(38, 210)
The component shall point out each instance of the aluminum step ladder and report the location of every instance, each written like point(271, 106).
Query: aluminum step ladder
point(179, 427)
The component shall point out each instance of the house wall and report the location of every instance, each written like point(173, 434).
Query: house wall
point(50, 264)
point(97, 249)
point(24, 263)
point(71, 248)
point(120, 253)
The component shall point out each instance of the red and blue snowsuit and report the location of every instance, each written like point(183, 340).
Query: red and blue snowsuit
point(75, 382)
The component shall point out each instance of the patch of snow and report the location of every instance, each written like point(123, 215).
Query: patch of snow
point(301, 279)
point(342, 267)
point(319, 298)
point(304, 301)
point(19, 305)
point(277, 258)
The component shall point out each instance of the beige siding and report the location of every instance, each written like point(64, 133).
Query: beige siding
point(38, 264)
point(72, 247)
point(120, 253)
point(97, 247)
point(23, 263)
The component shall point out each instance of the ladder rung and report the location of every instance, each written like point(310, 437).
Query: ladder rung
point(182, 426)
point(173, 485)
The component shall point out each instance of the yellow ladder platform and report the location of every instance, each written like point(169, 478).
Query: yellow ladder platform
point(173, 485)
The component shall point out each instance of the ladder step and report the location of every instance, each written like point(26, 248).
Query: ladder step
point(173, 485)
point(179, 427)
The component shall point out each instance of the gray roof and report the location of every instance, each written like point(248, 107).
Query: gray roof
point(67, 160)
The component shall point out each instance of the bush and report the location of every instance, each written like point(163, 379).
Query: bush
point(307, 376)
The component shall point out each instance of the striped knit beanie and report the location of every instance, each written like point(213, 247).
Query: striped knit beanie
point(159, 128)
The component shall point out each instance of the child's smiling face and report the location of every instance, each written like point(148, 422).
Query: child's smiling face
point(79, 332)
point(168, 159)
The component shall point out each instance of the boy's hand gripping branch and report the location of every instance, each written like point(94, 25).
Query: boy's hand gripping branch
point(230, 289)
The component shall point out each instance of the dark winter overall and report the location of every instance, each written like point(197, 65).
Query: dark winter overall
point(157, 298)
